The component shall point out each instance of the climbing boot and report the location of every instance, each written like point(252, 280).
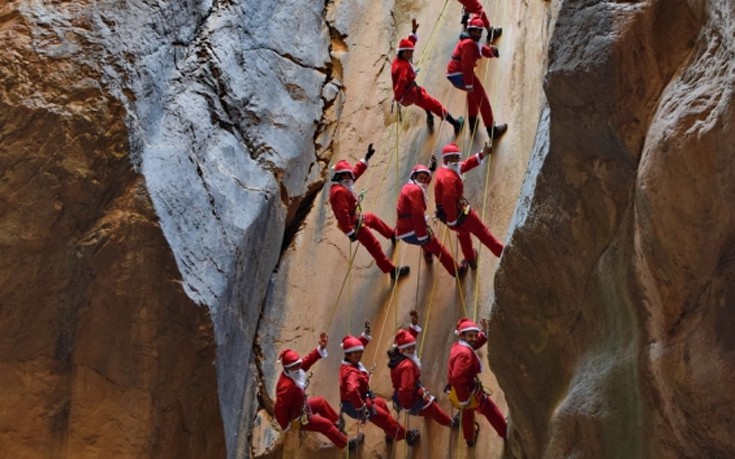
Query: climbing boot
point(355, 441)
point(393, 240)
point(456, 123)
point(462, 269)
point(430, 121)
point(473, 262)
point(497, 130)
point(473, 442)
point(412, 436)
point(473, 125)
point(399, 272)
point(428, 257)
point(493, 33)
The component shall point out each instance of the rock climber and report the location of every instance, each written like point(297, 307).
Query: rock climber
point(358, 401)
point(407, 92)
point(474, 7)
point(454, 210)
point(293, 408)
point(465, 389)
point(412, 225)
point(405, 374)
point(355, 223)
point(461, 73)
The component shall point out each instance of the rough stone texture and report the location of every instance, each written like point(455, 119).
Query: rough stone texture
point(614, 295)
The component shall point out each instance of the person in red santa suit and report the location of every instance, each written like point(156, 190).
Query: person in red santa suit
point(474, 7)
point(453, 209)
point(358, 401)
point(355, 223)
point(405, 374)
point(412, 225)
point(461, 73)
point(405, 89)
point(293, 408)
point(465, 389)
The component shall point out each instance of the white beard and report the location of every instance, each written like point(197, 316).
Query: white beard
point(299, 377)
point(349, 184)
point(455, 167)
point(413, 357)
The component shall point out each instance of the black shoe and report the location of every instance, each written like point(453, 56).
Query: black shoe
point(393, 239)
point(473, 262)
point(473, 442)
point(465, 18)
point(455, 421)
point(399, 272)
point(497, 130)
point(494, 33)
point(356, 441)
point(388, 440)
point(462, 269)
point(412, 436)
point(458, 124)
point(430, 120)
point(428, 257)
point(473, 124)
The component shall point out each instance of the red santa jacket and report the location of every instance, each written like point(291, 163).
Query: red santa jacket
point(449, 188)
point(290, 398)
point(464, 366)
point(464, 58)
point(344, 202)
point(354, 380)
point(405, 376)
point(403, 73)
point(411, 208)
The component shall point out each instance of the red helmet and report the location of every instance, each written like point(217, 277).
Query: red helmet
point(475, 23)
point(405, 45)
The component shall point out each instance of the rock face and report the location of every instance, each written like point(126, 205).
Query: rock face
point(615, 295)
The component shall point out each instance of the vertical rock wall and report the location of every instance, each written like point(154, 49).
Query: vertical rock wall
point(615, 291)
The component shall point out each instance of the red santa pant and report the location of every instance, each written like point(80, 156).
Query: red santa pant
point(366, 238)
point(385, 421)
point(322, 420)
point(435, 248)
point(475, 7)
point(477, 102)
point(416, 95)
point(473, 225)
point(435, 412)
point(490, 411)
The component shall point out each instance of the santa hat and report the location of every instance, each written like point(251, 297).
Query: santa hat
point(351, 344)
point(465, 325)
point(289, 358)
point(405, 45)
point(475, 23)
point(419, 168)
point(451, 149)
point(342, 167)
point(404, 339)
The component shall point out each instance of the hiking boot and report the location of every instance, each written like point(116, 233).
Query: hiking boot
point(399, 272)
point(455, 421)
point(473, 262)
point(412, 436)
point(493, 33)
point(496, 130)
point(472, 125)
point(473, 442)
point(430, 120)
point(393, 239)
point(356, 441)
point(458, 124)
point(428, 257)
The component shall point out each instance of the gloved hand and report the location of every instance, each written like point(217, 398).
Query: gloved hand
point(366, 328)
point(432, 164)
point(370, 152)
point(414, 316)
point(353, 237)
point(414, 25)
point(494, 51)
point(486, 150)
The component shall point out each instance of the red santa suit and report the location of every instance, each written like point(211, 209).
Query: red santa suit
point(405, 374)
point(411, 225)
point(292, 404)
point(463, 371)
point(456, 211)
point(405, 89)
point(344, 205)
point(356, 396)
point(461, 73)
point(475, 7)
